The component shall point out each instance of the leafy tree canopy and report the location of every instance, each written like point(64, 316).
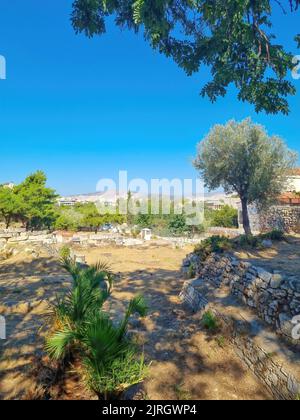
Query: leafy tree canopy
point(233, 38)
point(37, 201)
point(243, 158)
point(10, 205)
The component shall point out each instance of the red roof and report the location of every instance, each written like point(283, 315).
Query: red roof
point(294, 172)
point(289, 198)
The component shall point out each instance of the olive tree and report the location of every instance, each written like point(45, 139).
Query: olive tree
point(242, 158)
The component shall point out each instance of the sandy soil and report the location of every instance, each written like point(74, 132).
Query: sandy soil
point(186, 362)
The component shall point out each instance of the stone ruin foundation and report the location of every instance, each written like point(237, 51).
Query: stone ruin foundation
point(257, 308)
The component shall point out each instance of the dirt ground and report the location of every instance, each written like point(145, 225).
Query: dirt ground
point(186, 362)
point(283, 256)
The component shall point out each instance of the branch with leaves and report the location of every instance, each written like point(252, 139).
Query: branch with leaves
point(231, 37)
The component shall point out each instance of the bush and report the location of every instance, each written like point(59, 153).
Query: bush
point(215, 243)
point(210, 321)
point(109, 360)
point(226, 217)
point(274, 235)
point(246, 241)
point(65, 252)
point(256, 241)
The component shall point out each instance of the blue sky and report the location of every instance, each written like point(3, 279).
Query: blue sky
point(83, 109)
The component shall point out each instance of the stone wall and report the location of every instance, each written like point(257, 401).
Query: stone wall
point(275, 299)
point(285, 218)
point(16, 236)
point(276, 375)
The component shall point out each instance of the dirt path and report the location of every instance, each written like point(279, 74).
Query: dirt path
point(186, 362)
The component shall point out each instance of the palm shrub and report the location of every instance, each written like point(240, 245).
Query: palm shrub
point(109, 360)
point(90, 289)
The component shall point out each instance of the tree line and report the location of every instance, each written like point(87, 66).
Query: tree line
point(239, 157)
point(31, 203)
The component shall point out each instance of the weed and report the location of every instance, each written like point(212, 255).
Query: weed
point(221, 341)
point(210, 321)
point(181, 393)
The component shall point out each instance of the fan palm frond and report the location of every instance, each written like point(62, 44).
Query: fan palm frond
point(59, 342)
point(136, 305)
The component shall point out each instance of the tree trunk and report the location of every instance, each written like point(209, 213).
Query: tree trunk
point(245, 215)
point(7, 220)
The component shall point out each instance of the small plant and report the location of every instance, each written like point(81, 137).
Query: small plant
point(181, 393)
point(65, 252)
point(191, 271)
point(221, 341)
point(271, 355)
point(210, 321)
point(108, 380)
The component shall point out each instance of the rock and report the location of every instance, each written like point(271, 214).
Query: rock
point(286, 325)
point(295, 284)
point(263, 274)
point(293, 386)
point(276, 281)
point(197, 282)
point(267, 243)
point(192, 299)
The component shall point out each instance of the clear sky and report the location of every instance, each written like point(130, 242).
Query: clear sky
point(83, 109)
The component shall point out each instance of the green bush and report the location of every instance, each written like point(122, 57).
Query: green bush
point(226, 217)
point(210, 321)
point(110, 362)
point(65, 252)
point(220, 244)
point(256, 241)
point(274, 235)
point(212, 244)
point(243, 241)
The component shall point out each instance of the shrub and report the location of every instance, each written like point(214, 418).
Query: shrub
point(65, 252)
point(226, 217)
point(210, 321)
point(212, 244)
point(274, 235)
point(110, 362)
point(116, 377)
point(256, 241)
point(246, 241)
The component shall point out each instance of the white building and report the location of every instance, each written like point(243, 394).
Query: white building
point(294, 181)
point(9, 185)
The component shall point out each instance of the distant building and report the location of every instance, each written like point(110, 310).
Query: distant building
point(294, 180)
point(66, 202)
point(9, 185)
point(219, 200)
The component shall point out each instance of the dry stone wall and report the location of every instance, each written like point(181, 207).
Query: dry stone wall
point(276, 299)
point(285, 218)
